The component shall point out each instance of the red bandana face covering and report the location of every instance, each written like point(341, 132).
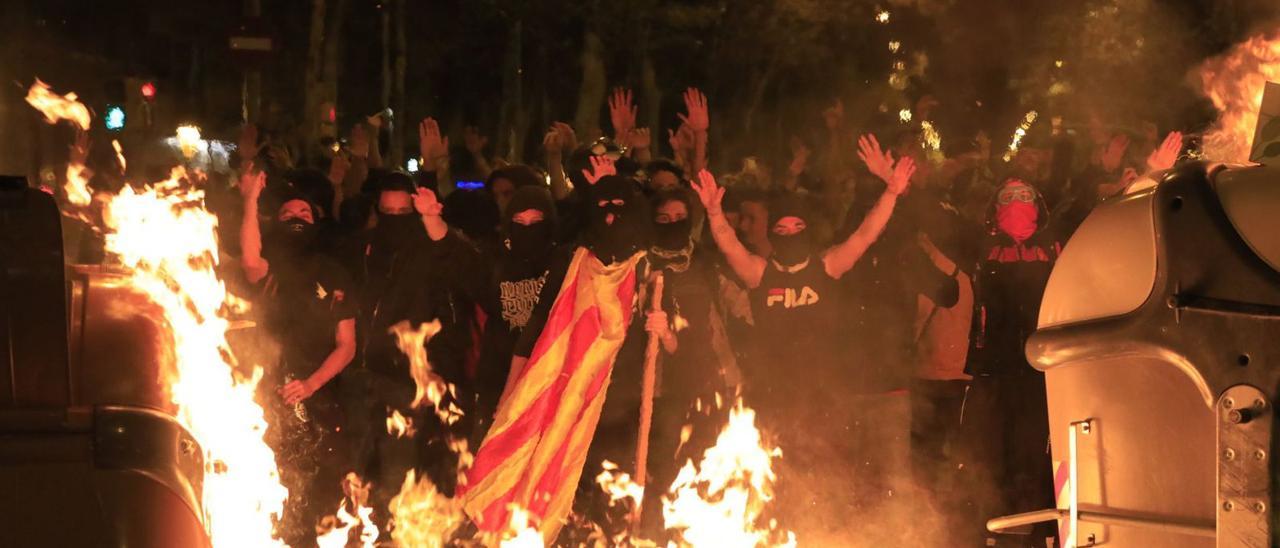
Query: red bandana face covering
point(1016, 212)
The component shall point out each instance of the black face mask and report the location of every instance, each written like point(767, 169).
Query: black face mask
point(295, 235)
point(673, 235)
point(529, 242)
point(397, 230)
point(790, 250)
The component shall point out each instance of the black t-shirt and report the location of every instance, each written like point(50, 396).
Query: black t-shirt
point(795, 312)
point(689, 301)
point(303, 299)
point(511, 296)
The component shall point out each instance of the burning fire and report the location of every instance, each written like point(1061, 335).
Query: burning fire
point(189, 140)
point(166, 238)
point(1234, 82)
point(719, 502)
point(423, 515)
point(399, 425)
point(1019, 133)
point(66, 107)
point(357, 496)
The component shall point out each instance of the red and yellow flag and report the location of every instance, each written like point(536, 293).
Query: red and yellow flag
point(533, 455)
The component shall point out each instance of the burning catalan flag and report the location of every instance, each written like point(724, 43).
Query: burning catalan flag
point(533, 455)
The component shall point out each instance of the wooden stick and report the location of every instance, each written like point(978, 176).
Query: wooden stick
point(651, 354)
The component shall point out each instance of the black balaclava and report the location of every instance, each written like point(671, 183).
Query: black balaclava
point(631, 227)
point(677, 235)
point(531, 242)
point(793, 249)
point(294, 237)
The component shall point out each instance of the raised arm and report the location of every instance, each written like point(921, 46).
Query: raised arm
point(251, 261)
point(699, 120)
point(622, 114)
point(553, 143)
point(430, 208)
point(749, 267)
point(840, 258)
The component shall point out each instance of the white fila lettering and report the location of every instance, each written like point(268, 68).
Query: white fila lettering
point(788, 297)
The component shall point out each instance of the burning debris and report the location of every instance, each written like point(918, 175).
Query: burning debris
point(1235, 82)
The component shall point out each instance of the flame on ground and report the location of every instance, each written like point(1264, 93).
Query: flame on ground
point(1234, 82)
point(166, 238)
point(720, 501)
point(339, 527)
point(424, 517)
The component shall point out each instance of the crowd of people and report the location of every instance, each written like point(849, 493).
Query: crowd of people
point(870, 302)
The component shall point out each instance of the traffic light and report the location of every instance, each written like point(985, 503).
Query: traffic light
point(148, 91)
point(114, 118)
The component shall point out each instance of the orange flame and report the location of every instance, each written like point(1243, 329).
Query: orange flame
point(338, 534)
point(399, 425)
point(1234, 82)
point(58, 107)
point(168, 241)
point(719, 502)
point(55, 108)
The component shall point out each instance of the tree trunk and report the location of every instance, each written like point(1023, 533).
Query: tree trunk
point(652, 97)
point(400, 118)
point(511, 123)
point(592, 91)
point(313, 95)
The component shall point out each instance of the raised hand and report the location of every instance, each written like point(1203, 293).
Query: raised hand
point(297, 391)
point(695, 104)
point(1164, 156)
point(900, 178)
point(568, 139)
point(680, 140)
point(426, 203)
point(338, 168)
point(552, 143)
point(252, 182)
point(1114, 153)
point(473, 140)
point(431, 145)
point(638, 138)
point(799, 156)
point(247, 144)
point(710, 194)
point(359, 142)
point(834, 116)
point(622, 112)
point(879, 163)
point(600, 167)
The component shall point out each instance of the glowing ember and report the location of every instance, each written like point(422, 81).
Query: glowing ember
point(1234, 82)
point(882, 16)
point(119, 155)
point(189, 140)
point(1019, 133)
point(618, 484)
point(720, 501)
point(399, 425)
point(904, 115)
point(932, 141)
point(894, 45)
point(339, 533)
point(167, 239)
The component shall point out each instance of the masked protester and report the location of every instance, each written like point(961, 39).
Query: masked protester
point(307, 306)
point(405, 272)
point(795, 304)
point(1005, 418)
point(534, 453)
point(519, 273)
point(696, 355)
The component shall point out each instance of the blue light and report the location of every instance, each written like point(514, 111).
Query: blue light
point(114, 118)
point(469, 185)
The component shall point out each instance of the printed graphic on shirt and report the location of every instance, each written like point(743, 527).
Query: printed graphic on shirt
point(790, 298)
point(518, 298)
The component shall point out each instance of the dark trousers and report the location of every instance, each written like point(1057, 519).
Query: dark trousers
point(312, 458)
point(1006, 434)
point(935, 427)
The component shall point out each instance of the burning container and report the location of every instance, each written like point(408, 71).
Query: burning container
point(90, 454)
point(1158, 337)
